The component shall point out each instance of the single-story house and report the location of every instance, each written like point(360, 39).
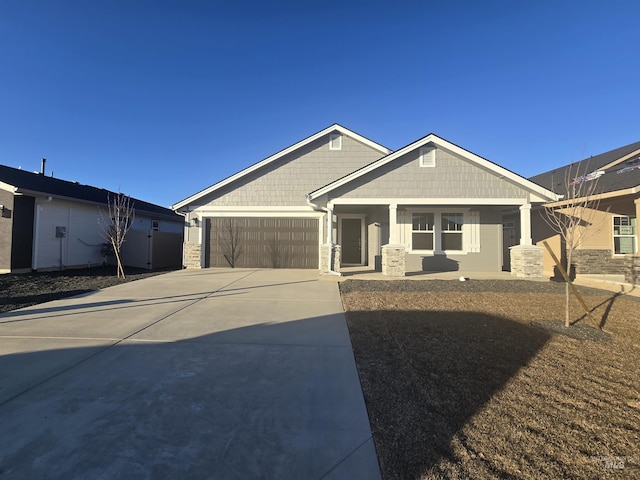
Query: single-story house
point(610, 235)
point(47, 223)
point(337, 198)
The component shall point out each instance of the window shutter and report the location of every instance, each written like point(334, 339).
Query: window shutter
point(474, 231)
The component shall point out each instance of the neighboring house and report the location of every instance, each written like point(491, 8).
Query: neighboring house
point(612, 234)
point(337, 198)
point(47, 223)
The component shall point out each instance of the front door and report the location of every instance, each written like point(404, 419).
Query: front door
point(351, 241)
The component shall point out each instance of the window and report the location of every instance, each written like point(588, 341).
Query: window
point(155, 225)
point(624, 235)
point(439, 232)
point(335, 141)
point(428, 156)
point(422, 230)
point(451, 231)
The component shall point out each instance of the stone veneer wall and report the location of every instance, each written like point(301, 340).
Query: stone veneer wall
point(191, 255)
point(393, 260)
point(527, 261)
point(632, 269)
point(597, 262)
point(330, 258)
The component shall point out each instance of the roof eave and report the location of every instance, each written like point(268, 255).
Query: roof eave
point(601, 196)
point(36, 193)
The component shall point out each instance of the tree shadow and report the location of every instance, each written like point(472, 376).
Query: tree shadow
point(424, 374)
point(605, 316)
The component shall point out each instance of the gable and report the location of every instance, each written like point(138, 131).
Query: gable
point(334, 135)
point(461, 175)
point(287, 180)
point(452, 176)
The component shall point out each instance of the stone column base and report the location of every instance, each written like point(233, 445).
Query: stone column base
point(330, 259)
point(191, 255)
point(527, 261)
point(393, 260)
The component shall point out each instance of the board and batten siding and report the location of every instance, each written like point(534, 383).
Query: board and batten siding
point(452, 177)
point(82, 243)
point(286, 181)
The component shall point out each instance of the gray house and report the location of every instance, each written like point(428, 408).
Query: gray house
point(337, 198)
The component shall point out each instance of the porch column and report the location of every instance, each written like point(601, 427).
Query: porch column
point(329, 224)
point(637, 202)
point(394, 237)
point(329, 251)
point(393, 254)
point(525, 224)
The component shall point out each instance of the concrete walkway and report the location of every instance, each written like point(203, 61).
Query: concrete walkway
point(191, 374)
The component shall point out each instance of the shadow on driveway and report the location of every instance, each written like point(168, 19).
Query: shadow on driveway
point(273, 400)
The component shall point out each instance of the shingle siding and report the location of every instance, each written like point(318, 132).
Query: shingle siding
point(452, 177)
point(6, 230)
point(286, 181)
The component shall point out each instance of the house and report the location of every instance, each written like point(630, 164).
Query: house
point(337, 198)
point(47, 223)
point(610, 238)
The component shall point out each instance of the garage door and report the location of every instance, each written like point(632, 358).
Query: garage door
point(262, 242)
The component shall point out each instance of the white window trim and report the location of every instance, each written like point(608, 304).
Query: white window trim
point(614, 236)
point(437, 231)
point(335, 141)
point(436, 217)
point(428, 156)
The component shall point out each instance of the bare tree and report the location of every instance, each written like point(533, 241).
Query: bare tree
point(574, 217)
point(120, 214)
point(230, 238)
point(275, 251)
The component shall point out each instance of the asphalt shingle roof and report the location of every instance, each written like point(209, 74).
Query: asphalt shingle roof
point(618, 177)
point(28, 182)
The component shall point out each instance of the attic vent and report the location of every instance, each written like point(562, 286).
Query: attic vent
point(428, 156)
point(335, 141)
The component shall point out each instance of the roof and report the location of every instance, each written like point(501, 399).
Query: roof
point(29, 183)
point(543, 193)
point(333, 128)
point(620, 167)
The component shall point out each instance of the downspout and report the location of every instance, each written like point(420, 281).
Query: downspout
point(320, 208)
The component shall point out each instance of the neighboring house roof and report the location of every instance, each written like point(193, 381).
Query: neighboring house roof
point(543, 193)
point(28, 183)
point(620, 167)
point(278, 155)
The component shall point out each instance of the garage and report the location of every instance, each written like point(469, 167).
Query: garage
point(254, 242)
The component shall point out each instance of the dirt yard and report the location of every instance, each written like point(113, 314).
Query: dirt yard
point(480, 379)
point(23, 290)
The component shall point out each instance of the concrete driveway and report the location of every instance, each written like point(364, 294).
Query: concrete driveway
point(191, 374)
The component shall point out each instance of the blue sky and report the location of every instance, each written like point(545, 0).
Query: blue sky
point(160, 99)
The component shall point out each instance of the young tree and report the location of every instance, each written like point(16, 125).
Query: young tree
point(120, 214)
point(230, 239)
point(574, 217)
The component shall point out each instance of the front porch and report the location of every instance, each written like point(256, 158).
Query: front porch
point(421, 238)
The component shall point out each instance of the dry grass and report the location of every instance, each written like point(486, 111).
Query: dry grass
point(483, 381)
